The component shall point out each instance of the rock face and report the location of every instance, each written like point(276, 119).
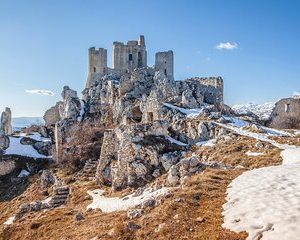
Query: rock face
point(6, 126)
point(52, 115)
point(4, 142)
point(132, 156)
point(286, 114)
point(138, 96)
point(71, 106)
point(47, 179)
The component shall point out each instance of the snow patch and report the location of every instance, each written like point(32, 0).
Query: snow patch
point(236, 122)
point(209, 143)
point(9, 221)
point(112, 204)
point(265, 201)
point(249, 153)
point(79, 119)
point(23, 173)
point(16, 148)
point(172, 140)
point(37, 137)
point(190, 113)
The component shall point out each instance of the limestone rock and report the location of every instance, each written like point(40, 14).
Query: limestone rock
point(52, 115)
point(135, 213)
point(5, 124)
point(47, 179)
point(4, 141)
point(71, 106)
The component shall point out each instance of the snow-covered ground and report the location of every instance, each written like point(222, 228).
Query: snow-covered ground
point(208, 143)
point(265, 202)
point(16, 148)
point(263, 111)
point(111, 204)
point(35, 136)
point(190, 113)
point(172, 140)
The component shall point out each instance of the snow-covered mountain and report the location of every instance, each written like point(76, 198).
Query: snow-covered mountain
point(21, 122)
point(263, 111)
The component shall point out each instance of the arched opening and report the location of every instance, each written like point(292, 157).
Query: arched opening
point(165, 72)
point(287, 108)
point(94, 69)
point(137, 114)
point(130, 57)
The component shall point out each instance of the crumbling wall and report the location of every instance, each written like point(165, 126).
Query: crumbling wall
point(164, 61)
point(286, 114)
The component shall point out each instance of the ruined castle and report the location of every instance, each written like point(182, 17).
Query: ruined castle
point(127, 58)
point(131, 78)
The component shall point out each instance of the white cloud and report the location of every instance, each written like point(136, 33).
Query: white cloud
point(296, 94)
point(40, 92)
point(227, 46)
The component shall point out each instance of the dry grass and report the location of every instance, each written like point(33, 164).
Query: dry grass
point(233, 153)
point(288, 140)
point(202, 197)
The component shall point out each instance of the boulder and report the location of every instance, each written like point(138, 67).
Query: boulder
point(47, 179)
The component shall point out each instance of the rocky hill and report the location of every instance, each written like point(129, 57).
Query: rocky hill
point(142, 156)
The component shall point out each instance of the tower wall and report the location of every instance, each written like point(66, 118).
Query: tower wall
point(164, 61)
point(97, 60)
point(97, 63)
point(130, 56)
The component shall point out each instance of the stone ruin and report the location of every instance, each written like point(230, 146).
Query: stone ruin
point(286, 114)
point(138, 107)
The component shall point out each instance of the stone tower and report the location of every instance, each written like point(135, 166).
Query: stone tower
point(130, 56)
point(97, 63)
point(164, 62)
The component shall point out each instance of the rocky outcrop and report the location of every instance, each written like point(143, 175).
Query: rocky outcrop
point(4, 142)
point(47, 179)
point(184, 169)
point(71, 106)
point(5, 125)
point(52, 115)
point(134, 155)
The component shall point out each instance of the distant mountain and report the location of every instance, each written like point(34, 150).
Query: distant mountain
point(21, 122)
point(263, 111)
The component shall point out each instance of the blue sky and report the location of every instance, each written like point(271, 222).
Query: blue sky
point(43, 44)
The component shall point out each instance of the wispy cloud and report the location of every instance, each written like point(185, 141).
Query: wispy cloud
point(40, 92)
point(227, 46)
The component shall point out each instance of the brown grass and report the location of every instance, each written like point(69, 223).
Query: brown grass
point(233, 153)
point(202, 197)
point(288, 140)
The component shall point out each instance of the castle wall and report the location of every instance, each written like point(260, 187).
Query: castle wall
point(164, 61)
point(97, 63)
point(97, 60)
point(212, 89)
point(130, 56)
point(107, 155)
